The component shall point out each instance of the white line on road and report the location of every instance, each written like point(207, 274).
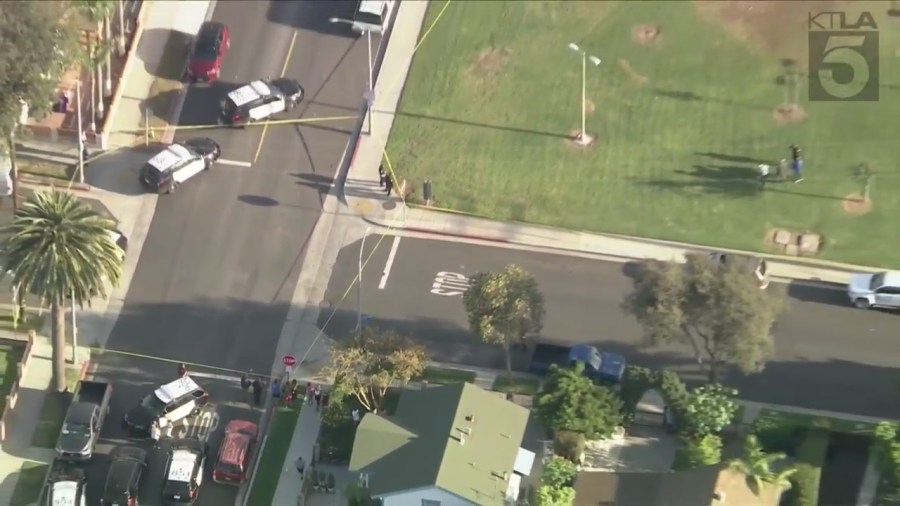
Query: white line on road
point(236, 163)
point(390, 263)
point(210, 375)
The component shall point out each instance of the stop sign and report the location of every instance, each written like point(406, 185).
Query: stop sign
point(288, 360)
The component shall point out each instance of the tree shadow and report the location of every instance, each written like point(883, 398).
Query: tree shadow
point(152, 40)
point(690, 96)
point(727, 180)
point(725, 157)
point(258, 200)
point(314, 15)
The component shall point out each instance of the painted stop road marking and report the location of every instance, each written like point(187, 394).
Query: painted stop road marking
point(450, 284)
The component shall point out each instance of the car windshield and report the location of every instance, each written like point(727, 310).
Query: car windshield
point(877, 281)
point(153, 404)
point(205, 53)
point(173, 489)
point(226, 468)
point(76, 429)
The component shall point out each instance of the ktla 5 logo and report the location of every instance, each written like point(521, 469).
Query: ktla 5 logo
point(843, 57)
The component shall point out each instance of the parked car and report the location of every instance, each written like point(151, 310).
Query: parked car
point(600, 366)
point(179, 162)
point(67, 485)
point(84, 418)
point(213, 42)
point(259, 100)
point(880, 289)
point(184, 471)
point(123, 480)
point(167, 404)
point(754, 264)
point(234, 453)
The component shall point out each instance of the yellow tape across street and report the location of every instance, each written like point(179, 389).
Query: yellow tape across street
point(296, 121)
point(189, 365)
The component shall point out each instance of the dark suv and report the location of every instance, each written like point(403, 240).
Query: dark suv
point(123, 481)
point(212, 44)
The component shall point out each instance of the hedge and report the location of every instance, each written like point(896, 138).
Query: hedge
point(810, 459)
point(697, 452)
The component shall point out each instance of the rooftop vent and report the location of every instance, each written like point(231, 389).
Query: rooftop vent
point(470, 418)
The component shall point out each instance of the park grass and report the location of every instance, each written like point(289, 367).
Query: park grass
point(10, 356)
point(782, 418)
point(516, 385)
point(446, 376)
point(29, 485)
point(682, 124)
point(268, 469)
point(53, 412)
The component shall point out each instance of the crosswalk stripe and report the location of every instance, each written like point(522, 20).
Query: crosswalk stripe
point(236, 163)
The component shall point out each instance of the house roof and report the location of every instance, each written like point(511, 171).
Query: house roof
point(425, 444)
point(693, 487)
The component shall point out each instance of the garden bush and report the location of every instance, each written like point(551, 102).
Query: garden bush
point(559, 472)
point(887, 455)
point(673, 391)
point(635, 383)
point(810, 459)
point(569, 445)
point(555, 496)
point(777, 435)
point(698, 452)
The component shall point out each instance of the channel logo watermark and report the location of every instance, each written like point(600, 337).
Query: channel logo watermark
point(843, 57)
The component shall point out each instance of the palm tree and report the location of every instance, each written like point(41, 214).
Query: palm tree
point(58, 248)
point(98, 52)
point(757, 466)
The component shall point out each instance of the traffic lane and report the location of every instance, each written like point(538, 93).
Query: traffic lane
point(227, 403)
point(258, 50)
point(820, 341)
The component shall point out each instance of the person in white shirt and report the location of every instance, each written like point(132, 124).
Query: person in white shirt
point(155, 434)
point(355, 415)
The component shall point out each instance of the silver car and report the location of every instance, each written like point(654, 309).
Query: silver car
point(875, 289)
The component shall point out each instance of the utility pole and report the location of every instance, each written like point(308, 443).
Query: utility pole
point(80, 131)
point(583, 138)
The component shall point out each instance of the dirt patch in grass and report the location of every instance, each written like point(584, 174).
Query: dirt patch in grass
point(645, 34)
point(638, 78)
point(490, 61)
point(573, 141)
point(856, 205)
point(29, 485)
point(788, 114)
point(45, 168)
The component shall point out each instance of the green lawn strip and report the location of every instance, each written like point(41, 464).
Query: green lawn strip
point(517, 386)
point(446, 375)
point(810, 459)
point(802, 420)
point(486, 107)
point(278, 442)
point(34, 322)
point(29, 484)
point(167, 84)
point(45, 168)
point(53, 412)
point(10, 356)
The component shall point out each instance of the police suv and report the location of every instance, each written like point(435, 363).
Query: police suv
point(184, 471)
point(178, 163)
point(166, 405)
point(260, 100)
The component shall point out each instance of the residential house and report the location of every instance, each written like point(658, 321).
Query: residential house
point(453, 445)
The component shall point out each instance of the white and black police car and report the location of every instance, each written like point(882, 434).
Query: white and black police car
point(184, 471)
point(259, 100)
point(178, 163)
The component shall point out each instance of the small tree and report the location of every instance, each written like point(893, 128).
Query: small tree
point(698, 452)
point(555, 496)
point(717, 309)
point(504, 308)
point(708, 410)
point(372, 362)
point(757, 466)
point(572, 402)
point(559, 472)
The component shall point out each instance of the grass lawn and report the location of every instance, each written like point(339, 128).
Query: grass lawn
point(10, 356)
point(682, 122)
point(29, 485)
point(268, 470)
point(832, 424)
point(518, 386)
point(444, 376)
point(52, 413)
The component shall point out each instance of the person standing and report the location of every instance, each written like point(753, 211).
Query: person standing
point(301, 465)
point(356, 416)
point(388, 185)
point(309, 393)
point(257, 391)
point(245, 386)
point(276, 389)
point(155, 434)
point(317, 395)
point(182, 370)
point(381, 175)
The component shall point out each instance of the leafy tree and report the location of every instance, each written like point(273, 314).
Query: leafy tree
point(372, 362)
point(555, 496)
point(58, 248)
point(504, 308)
point(559, 472)
point(572, 402)
point(698, 452)
point(35, 45)
point(708, 410)
point(717, 309)
point(98, 50)
point(757, 466)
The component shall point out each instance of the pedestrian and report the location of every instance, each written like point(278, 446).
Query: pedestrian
point(84, 154)
point(182, 370)
point(155, 434)
point(325, 396)
point(381, 175)
point(797, 169)
point(317, 395)
point(276, 389)
point(388, 185)
point(309, 393)
point(245, 386)
point(763, 172)
point(355, 415)
point(257, 391)
point(300, 466)
point(295, 391)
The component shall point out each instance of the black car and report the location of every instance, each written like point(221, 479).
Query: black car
point(123, 480)
point(168, 404)
point(184, 471)
point(259, 100)
point(179, 162)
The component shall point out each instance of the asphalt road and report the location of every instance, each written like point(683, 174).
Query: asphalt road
point(223, 254)
point(828, 355)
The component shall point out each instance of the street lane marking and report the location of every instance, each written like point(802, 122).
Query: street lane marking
point(450, 284)
point(210, 375)
point(287, 60)
point(236, 163)
point(390, 263)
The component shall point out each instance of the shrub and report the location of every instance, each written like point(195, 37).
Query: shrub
point(698, 452)
point(673, 391)
point(886, 448)
point(777, 435)
point(571, 401)
point(708, 410)
point(555, 496)
point(635, 383)
point(810, 458)
point(569, 445)
point(559, 472)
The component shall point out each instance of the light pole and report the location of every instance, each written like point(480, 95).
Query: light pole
point(80, 132)
point(74, 330)
point(370, 96)
point(362, 246)
point(583, 138)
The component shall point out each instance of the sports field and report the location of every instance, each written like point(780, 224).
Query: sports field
point(685, 105)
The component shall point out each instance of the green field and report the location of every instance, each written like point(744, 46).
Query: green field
point(682, 123)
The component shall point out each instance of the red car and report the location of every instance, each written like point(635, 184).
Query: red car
point(212, 44)
point(235, 451)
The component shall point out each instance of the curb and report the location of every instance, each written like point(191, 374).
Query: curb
point(53, 183)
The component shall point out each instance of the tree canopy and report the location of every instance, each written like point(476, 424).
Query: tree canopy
point(570, 401)
point(372, 362)
point(719, 310)
point(504, 308)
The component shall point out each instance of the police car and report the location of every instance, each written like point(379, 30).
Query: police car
point(184, 471)
point(67, 485)
point(166, 405)
point(178, 163)
point(260, 100)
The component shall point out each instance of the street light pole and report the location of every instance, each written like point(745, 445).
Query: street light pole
point(370, 94)
point(80, 132)
point(74, 330)
point(362, 246)
point(583, 137)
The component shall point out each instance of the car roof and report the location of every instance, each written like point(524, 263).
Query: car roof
point(169, 157)
point(892, 278)
point(181, 465)
point(176, 389)
point(64, 493)
point(249, 92)
point(121, 472)
point(209, 32)
point(236, 443)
